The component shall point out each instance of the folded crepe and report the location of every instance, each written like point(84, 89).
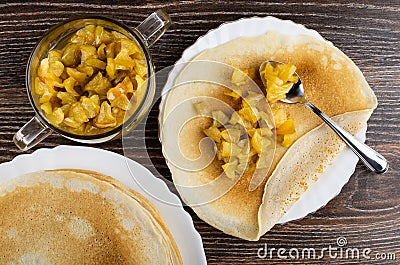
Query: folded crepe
point(80, 217)
point(331, 81)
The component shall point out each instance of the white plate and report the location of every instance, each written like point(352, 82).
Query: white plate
point(108, 163)
point(338, 174)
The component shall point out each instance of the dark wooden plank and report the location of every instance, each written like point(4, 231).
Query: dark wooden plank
point(366, 212)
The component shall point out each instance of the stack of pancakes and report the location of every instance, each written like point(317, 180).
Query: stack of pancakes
point(80, 217)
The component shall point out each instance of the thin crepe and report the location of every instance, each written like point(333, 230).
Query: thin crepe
point(72, 216)
point(332, 82)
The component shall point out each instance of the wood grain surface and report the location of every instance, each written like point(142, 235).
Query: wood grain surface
point(366, 212)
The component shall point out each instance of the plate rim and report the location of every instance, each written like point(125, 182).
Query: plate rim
point(221, 27)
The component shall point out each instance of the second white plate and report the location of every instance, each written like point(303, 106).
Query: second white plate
point(338, 174)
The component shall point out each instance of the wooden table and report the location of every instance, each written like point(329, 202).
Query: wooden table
point(366, 212)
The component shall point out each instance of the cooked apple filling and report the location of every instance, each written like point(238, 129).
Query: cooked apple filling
point(86, 86)
point(246, 136)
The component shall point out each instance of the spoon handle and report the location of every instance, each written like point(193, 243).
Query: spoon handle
point(372, 159)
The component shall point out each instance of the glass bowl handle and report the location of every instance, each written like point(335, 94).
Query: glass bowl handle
point(154, 26)
point(32, 133)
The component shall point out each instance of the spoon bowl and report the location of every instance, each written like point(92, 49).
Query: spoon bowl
point(372, 159)
point(296, 92)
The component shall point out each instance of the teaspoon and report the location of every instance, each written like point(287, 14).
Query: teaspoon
point(372, 159)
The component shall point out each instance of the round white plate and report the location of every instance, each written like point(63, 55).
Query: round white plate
point(338, 174)
point(108, 163)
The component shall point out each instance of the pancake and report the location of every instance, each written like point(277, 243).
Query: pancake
point(75, 217)
point(331, 81)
